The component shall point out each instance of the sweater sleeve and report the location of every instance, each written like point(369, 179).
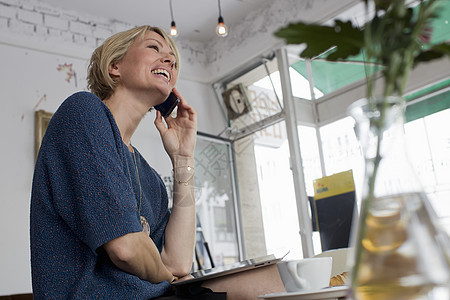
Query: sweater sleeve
point(84, 155)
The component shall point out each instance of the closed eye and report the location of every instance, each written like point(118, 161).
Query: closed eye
point(153, 47)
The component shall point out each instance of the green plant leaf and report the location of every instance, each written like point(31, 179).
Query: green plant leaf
point(435, 52)
point(347, 39)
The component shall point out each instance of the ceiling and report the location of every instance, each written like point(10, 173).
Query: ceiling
point(196, 20)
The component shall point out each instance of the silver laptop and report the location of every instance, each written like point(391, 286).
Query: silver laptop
point(230, 269)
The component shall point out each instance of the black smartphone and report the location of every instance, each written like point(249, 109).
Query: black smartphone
point(168, 105)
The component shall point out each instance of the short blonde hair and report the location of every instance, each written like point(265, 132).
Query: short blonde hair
point(112, 51)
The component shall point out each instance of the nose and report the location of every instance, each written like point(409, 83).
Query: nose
point(168, 58)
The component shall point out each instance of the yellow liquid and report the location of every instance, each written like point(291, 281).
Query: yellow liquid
point(385, 232)
point(389, 266)
point(391, 291)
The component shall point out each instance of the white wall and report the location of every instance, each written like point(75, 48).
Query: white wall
point(29, 80)
point(34, 41)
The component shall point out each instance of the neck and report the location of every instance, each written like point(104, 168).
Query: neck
point(128, 113)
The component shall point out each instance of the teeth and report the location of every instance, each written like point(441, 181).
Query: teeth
point(162, 72)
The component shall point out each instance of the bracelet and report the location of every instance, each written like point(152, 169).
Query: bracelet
point(189, 169)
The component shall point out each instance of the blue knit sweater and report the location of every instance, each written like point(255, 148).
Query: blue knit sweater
point(85, 193)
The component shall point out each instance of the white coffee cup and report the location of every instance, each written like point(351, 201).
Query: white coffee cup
point(305, 274)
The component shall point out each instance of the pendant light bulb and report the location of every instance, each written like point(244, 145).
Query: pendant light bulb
point(173, 29)
point(221, 29)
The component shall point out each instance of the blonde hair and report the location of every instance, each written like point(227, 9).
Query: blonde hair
point(112, 51)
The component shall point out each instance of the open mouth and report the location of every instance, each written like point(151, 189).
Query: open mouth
point(162, 72)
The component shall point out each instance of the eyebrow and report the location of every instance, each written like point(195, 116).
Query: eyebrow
point(161, 45)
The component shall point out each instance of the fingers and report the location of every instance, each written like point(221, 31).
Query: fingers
point(181, 105)
point(184, 109)
point(177, 93)
point(159, 123)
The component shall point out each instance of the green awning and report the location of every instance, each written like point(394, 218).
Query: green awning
point(331, 76)
point(430, 105)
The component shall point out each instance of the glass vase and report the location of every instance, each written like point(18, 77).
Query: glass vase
point(400, 250)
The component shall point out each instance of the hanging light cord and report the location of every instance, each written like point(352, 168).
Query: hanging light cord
point(171, 10)
point(220, 10)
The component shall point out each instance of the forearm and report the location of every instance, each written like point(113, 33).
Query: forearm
point(179, 244)
point(136, 254)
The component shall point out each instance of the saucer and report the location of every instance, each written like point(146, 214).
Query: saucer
point(333, 292)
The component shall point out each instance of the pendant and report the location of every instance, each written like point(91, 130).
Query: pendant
point(145, 226)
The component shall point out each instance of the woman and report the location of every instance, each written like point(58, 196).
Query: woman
point(100, 223)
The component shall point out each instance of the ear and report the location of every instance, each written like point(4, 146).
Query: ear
point(114, 70)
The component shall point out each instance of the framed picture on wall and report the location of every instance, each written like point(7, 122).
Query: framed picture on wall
point(41, 120)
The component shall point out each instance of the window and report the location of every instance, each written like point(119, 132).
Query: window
point(278, 202)
point(429, 151)
point(310, 156)
point(261, 149)
point(342, 151)
point(300, 85)
point(266, 190)
point(215, 202)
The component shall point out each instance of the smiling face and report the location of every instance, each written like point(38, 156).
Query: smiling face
point(147, 69)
